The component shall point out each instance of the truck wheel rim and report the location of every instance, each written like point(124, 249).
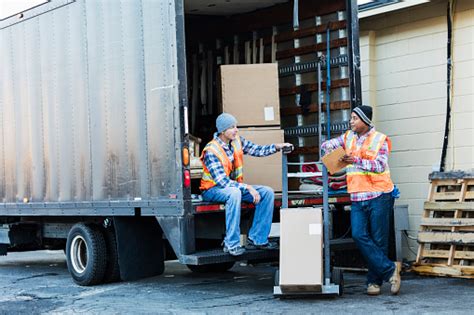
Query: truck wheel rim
point(79, 254)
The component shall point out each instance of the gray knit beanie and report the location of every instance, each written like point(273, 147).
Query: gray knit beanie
point(225, 121)
point(365, 114)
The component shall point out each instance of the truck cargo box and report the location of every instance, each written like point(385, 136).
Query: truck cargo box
point(99, 99)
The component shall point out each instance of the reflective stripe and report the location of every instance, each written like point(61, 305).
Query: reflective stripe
point(237, 144)
point(376, 137)
point(369, 173)
point(238, 160)
point(237, 173)
point(349, 140)
point(207, 176)
point(217, 150)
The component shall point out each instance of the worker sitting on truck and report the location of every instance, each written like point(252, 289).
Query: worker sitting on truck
point(222, 181)
point(370, 186)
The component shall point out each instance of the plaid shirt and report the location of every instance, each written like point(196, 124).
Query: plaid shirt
point(377, 166)
point(216, 169)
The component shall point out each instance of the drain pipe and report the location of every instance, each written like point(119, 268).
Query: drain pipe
point(449, 82)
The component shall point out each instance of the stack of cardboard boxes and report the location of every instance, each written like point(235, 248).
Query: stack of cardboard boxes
point(250, 93)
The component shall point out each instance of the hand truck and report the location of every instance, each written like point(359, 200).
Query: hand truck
point(333, 280)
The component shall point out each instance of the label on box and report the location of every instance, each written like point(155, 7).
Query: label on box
point(315, 229)
point(269, 113)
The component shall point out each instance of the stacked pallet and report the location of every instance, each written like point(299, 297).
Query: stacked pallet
point(446, 237)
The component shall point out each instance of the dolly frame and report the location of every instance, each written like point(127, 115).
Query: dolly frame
point(327, 288)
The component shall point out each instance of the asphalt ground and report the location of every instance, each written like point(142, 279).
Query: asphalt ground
point(38, 282)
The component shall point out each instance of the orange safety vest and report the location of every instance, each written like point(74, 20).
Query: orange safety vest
point(233, 170)
point(363, 181)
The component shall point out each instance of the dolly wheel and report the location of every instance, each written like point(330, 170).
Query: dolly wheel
point(338, 278)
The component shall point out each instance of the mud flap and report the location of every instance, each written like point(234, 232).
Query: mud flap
point(140, 247)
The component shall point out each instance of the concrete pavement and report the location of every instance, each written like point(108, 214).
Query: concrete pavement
point(38, 282)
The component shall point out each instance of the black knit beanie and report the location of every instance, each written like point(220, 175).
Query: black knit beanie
point(365, 114)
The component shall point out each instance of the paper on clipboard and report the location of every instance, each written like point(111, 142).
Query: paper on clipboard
point(331, 160)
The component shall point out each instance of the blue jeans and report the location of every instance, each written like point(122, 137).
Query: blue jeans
point(370, 221)
point(233, 197)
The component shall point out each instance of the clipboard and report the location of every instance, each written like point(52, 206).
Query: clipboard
point(331, 160)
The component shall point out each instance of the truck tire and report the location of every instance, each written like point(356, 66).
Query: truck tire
point(112, 269)
point(219, 267)
point(86, 254)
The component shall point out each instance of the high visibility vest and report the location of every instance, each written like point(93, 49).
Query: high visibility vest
point(359, 180)
point(233, 170)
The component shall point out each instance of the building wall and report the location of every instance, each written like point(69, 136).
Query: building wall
point(403, 58)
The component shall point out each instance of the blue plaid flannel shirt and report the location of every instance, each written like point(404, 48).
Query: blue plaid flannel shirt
point(217, 170)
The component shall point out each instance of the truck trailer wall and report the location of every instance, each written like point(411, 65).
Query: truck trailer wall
point(89, 107)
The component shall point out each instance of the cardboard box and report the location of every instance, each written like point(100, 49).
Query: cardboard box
point(263, 170)
point(301, 249)
point(250, 93)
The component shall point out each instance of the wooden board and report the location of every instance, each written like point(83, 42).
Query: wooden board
point(313, 108)
point(448, 222)
point(469, 255)
point(340, 42)
point(446, 237)
point(443, 270)
point(449, 206)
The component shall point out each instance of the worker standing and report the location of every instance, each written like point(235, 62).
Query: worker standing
point(370, 187)
point(222, 181)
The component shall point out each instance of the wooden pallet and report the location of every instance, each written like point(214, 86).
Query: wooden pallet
point(446, 237)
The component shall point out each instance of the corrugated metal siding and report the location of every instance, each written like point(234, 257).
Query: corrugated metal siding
point(89, 98)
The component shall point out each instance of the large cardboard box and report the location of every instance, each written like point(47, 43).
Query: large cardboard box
point(263, 170)
point(250, 93)
point(301, 249)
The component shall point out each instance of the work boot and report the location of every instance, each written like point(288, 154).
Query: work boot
point(373, 289)
point(236, 251)
point(395, 279)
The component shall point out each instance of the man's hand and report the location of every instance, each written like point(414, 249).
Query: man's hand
point(349, 159)
point(254, 193)
point(280, 146)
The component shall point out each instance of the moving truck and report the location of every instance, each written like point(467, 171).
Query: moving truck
point(97, 105)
